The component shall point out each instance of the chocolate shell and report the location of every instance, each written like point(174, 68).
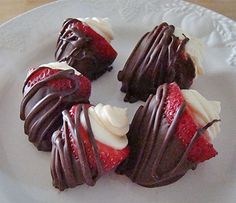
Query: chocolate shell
point(159, 57)
point(157, 156)
point(41, 107)
point(73, 48)
point(67, 170)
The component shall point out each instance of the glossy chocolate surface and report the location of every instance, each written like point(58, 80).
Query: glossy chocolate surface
point(157, 156)
point(67, 169)
point(159, 57)
point(42, 105)
point(73, 47)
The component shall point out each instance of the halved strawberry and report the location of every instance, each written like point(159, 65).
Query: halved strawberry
point(110, 158)
point(202, 149)
point(102, 48)
point(37, 75)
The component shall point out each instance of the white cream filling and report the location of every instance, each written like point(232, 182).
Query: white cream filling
point(100, 25)
point(194, 48)
point(109, 125)
point(203, 110)
point(60, 66)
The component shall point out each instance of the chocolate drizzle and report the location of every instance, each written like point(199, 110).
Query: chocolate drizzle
point(67, 170)
point(159, 57)
point(73, 46)
point(42, 105)
point(157, 156)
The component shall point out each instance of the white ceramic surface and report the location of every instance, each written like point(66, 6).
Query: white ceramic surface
point(29, 40)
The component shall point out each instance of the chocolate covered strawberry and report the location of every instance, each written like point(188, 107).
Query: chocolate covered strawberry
point(163, 55)
point(85, 45)
point(91, 142)
point(47, 91)
point(169, 135)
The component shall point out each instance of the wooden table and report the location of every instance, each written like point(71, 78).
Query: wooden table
point(11, 8)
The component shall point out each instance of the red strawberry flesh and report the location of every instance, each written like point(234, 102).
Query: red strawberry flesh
point(202, 149)
point(110, 158)
point(102, 48)
point(36, 76)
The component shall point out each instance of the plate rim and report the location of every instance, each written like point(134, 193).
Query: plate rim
point(2, 25)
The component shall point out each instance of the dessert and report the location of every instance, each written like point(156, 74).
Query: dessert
point(169, 135)
point(48, 90)
point(163, 55)
point(92, 141)
point(85, 45)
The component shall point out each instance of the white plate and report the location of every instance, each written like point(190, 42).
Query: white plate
point(30, 39)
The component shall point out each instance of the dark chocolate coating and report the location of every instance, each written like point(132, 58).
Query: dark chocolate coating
point(67, 170)
point(159, 57)
point(73, 47)
point(157, 156)
point(41, 107)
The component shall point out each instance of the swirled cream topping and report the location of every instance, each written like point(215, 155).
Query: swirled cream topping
point(100, 25)
point(109, 125)
point(60, 66)
point(203, 110)
point(194, 48)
